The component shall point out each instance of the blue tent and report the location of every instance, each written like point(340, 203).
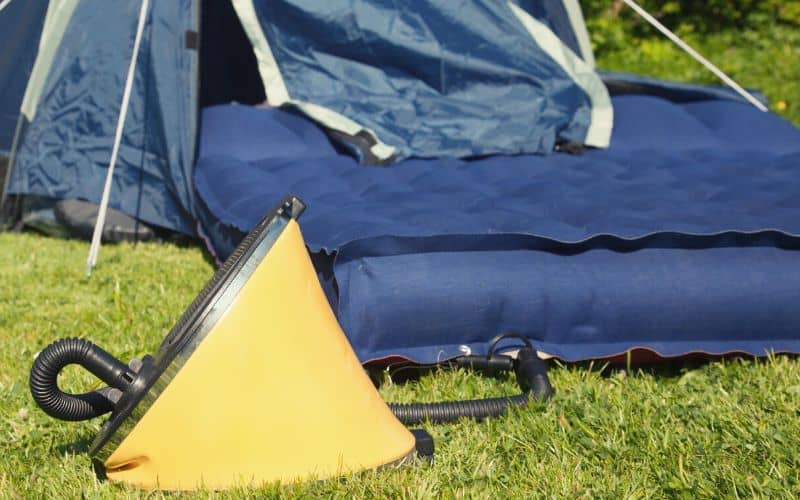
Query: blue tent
point(72, 100)
point(21, 26)
point(435, 149)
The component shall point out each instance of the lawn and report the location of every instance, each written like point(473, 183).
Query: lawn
point(723, 428)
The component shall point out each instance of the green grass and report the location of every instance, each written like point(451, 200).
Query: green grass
point(726, 428)
point(768, 61)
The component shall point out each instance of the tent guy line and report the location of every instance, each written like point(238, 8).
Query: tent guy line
point(730, 82)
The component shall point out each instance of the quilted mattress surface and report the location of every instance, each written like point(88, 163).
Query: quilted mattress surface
point(682, 236)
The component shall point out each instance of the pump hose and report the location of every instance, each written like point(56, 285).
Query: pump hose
point(450, 411)
point(531, 375)
point(58, 404)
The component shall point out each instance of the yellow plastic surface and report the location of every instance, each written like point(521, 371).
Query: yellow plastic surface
point(273, 393)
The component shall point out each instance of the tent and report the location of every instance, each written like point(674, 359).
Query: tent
point(73, 97)
point(466, 171)
point(21, 26)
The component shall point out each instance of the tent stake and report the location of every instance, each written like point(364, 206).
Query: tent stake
point(123, 112)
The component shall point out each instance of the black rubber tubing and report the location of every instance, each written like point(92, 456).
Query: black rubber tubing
point(73, 407)
point(531, 374)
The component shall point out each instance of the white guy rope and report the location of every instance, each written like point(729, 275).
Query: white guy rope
point(4, 4)
point(699, 58)
point(123, 112)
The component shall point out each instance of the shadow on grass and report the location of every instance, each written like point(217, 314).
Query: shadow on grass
point(78, 447)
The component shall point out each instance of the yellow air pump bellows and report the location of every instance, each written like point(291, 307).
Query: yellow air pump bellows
point(256, 383)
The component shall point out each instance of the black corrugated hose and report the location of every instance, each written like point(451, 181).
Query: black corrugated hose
point(531, 373)
point(58, 404)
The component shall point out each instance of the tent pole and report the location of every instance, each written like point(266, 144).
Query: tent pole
point(123, 112)
point(9, 166)
point(699, 58)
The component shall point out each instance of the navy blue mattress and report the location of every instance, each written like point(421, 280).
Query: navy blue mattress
point(683, 236)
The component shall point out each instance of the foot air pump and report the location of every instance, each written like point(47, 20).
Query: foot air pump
point(255, 383)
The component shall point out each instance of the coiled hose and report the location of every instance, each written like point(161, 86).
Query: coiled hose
point(532, 378)
point(58, 404)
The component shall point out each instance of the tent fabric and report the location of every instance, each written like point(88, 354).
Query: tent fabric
point(565, 19)
point(73, 99)
point(65, 150)
point(58, 17)
point(21, 27)
point(682, 236)
point(427, 79)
